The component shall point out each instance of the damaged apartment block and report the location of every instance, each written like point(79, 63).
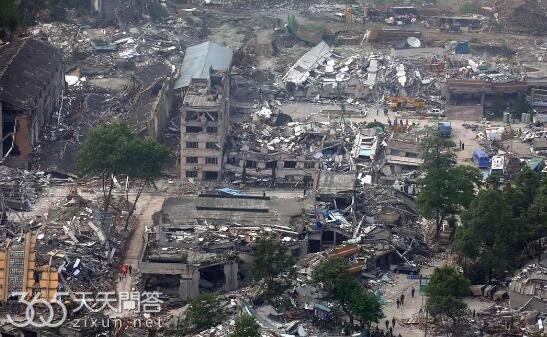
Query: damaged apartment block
point(203, 90)
point(31, 90)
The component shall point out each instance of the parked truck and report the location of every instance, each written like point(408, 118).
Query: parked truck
point(445, 129)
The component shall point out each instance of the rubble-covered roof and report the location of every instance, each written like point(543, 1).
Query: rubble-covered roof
point(334, 182)
point(25, 67)
point(402, 145)
point(201, 59)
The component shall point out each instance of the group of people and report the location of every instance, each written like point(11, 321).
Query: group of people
point(124, 269)
point(388, 332)
point(401, 300)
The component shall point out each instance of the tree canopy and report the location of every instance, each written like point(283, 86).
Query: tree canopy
point(272, 259)
point(246, 326)
point(500, 224)
point(333, 276)
point(114, 149)
point(204, 311)
point(446, 188)
point(446, 288)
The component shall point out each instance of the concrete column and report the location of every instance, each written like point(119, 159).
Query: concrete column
point(189, 284)
point(230, 275)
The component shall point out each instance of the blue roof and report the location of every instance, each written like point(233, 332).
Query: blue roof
point(229, 191)
point(201, 59)
point(480, 153)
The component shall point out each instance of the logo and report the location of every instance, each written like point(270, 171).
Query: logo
point(30, 312)
point(40, 313)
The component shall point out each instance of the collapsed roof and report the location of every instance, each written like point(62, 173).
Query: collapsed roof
point(25, 66)
point(314, 57)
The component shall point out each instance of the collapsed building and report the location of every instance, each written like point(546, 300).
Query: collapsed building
point(525, 16)
point(457, 23)
point(400, 163)
point(19, 271)
point(321, 73)
point(204, 243)
point(203, 92)
point(528, 289)
point(31, 90)
point(469, 98)
point(268, 147)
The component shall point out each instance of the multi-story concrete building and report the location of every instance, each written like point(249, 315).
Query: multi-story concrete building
point(203, 91)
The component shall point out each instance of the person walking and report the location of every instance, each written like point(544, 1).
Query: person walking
point(412, 292)
point(402, 299)
point(398, 303)
point(390, 331)
point(130, 269)
point(463, 146)
point(393, 321)
point(387, 324)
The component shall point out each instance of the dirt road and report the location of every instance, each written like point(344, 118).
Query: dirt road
point(412, 305)
point(146, 207)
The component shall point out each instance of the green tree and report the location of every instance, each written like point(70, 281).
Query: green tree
point(487, 233)
point(146, 161)
point(271, 259)
point(333, 276)
point(204, 311)
point(246, 326)
point(521, 106)
point(445, 188)
point(157, 11)
point(103, 154)
point(445, 291)
point(470, 8)
point(10, 15)
point(537, 216)
point(114, 149)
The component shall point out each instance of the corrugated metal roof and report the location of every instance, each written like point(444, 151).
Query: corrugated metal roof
point(200, 59)
point(299, 72)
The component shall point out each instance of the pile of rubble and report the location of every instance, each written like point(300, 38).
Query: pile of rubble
point(311, 140)
point(82, 242)
point(19, 189)
point(489, 70)
point(323, 73)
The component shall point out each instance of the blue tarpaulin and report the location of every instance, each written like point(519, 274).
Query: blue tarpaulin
point(462, 48)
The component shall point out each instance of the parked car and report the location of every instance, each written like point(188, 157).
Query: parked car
point(405, 268)
point(435, 112)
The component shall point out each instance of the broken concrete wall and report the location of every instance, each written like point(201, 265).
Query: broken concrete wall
point(159, 116)
point(34, 101)
point(105, 9)
point(189, 276)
